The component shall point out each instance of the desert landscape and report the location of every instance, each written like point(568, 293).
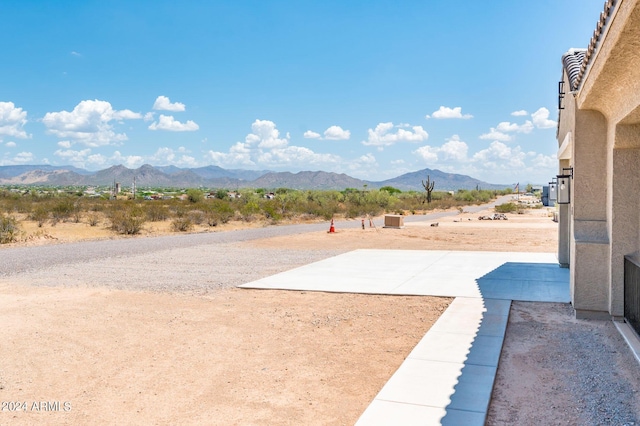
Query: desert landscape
point(162, 336)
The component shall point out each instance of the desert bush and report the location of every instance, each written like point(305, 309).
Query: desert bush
point(221, 194)
point(9, 229)
point(223, 209)
point(77, 211)
point(62, 210)
point(270, 210)
point(196, 216)
point(156, 212)
point(195, 195)
point(179, 210)
point(127, 219)
point(213, 218)
point(506, 208)
point(39, 214)
point(182, 224)
point(248, 210)
point(93, 219)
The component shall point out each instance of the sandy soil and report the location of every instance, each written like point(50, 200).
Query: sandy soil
point(237, 357)
point(532, 231)
point(247, 356)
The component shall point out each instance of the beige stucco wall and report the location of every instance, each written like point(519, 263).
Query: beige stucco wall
point(612, 81)
point(566, 127)
point(604, 120)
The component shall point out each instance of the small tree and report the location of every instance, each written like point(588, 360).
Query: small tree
point(9, 230)
point(195, 195)
point(428, 186)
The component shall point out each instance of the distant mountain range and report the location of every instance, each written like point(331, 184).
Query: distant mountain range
point(217, 177)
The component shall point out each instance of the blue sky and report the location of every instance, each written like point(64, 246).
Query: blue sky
point(373, 89)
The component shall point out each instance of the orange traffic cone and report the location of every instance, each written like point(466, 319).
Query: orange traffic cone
point(332, 228)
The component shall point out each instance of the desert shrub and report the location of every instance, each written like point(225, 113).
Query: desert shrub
point(221, 194)
point(179, 210)
point(506, 208)
point(39, 214)
point(127, 219)
point(156, 212)
point(9, 229)
point(197, 217)
point(182, 224)
point(223, 210)
point(77, 211)
point(195, 195)
point(270, 210)
point(213, 218)
point(62, 210)
point(248, 210)
point(391, 190)
point(93, 219)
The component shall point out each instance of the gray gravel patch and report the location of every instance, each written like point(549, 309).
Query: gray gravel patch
point(195, 270)
point(555, 369)
point(24, 259)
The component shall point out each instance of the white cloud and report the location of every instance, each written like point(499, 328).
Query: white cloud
point(179, 157)
point(381, 135)
point(74, 53)
point(89, 123)
point(149, 116)
point(264, 147)
point(167, 122)
point(496, 135)
point(367, 159)
point(364, 166)
point(163, 103)
point(64, 144)
point(496, 163)
point(85, 159)
point(10, 144)
point(507, 127)
point(445, 113)
point(428, 153)
point(239, 155)
point(453, 150)
point(12, 120)
point(265, 135)
point(544, 161)
point(336, 133)
point(499, 155)
point(295, 156)
point(130, 161)
point(23, 157)
point(312, 135)
point(73, 157)
point(541, 119)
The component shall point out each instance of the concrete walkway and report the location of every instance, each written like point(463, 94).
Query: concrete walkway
point(448, 377)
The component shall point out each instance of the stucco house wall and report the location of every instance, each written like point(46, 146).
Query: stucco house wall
point(599, 137)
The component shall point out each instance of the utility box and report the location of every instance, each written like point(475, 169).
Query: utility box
point(393, 221)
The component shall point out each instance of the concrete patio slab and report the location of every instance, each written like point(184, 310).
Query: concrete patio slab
point(447, 379)
point(490, 275)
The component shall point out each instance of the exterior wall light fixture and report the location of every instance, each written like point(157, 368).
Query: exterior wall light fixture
point(553, 190)
point(564, 186)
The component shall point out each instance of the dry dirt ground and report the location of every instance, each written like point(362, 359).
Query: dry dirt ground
point(237, 357)
point(111, 356)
